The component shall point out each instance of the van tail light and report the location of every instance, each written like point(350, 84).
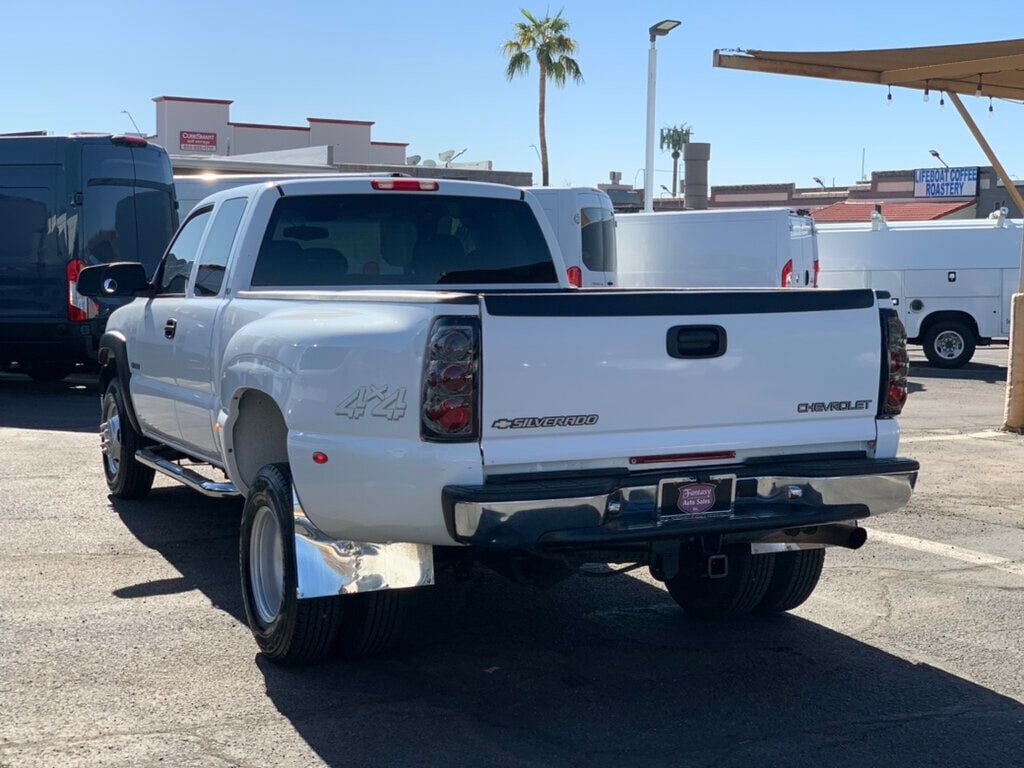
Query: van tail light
point(80, 308)
point(450, 406)
point(787, 274)
point(895, 365)
point(127, 140)
point(817, 269)
point(575, 276)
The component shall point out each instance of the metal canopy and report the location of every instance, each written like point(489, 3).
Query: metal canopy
point(994, 69)
point(997, 66)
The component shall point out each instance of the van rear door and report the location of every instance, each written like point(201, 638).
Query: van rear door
point(33, 248)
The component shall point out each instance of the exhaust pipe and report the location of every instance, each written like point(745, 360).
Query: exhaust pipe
point(831, 535)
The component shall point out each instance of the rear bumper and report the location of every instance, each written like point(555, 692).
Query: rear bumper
point(28, 341)
point(605, 511)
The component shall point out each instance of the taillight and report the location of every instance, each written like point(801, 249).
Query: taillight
point(80, 308)
point(405, 185)
point(895, 365)
point(817, 269)
point(125, 140)
point(451, 378)
point(787, 274)
point(575, 277)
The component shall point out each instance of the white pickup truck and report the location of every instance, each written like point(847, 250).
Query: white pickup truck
point(394, 374)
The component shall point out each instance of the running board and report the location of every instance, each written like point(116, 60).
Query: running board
point(186, 476)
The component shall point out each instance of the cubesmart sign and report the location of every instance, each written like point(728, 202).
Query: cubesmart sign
point(198, 141)
point(945, 182)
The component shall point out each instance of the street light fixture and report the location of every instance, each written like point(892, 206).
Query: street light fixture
point(821, 183)
point(660, 29)
point(935, 153)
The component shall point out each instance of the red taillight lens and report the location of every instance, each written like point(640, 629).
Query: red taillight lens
point(80, 308)
point(575, 276)
point(405, 185)
point(787, 274)
point(450, 380)
point(129, 141)
point(817, 269)
point(895, 365)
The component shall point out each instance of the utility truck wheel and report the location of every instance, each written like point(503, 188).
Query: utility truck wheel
point(126, 478)
point(736, 593)
point(949, 344)
point(288, 631)
point(794, 577)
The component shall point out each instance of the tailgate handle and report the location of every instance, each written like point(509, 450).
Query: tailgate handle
point(696, 341)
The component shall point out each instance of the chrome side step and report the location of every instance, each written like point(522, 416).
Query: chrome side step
point(186, 476)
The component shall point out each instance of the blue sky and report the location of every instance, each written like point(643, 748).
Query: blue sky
point(432, 74)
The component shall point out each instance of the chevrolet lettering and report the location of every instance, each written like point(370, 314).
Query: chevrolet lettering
point(834, 405)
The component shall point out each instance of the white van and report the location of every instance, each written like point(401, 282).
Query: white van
point(951, 281)
point(584, 222)
point(731, 247)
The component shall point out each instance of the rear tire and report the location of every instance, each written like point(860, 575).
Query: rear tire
point(794, 578)
point(126, 478)
point(949, 344)
point(735, 594)
point(290, 631)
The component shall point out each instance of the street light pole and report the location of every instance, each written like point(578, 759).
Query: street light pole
point(660, 29)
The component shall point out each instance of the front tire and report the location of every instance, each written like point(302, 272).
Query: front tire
point(794, 577)
point(735, 594)
point(949, 344)
point(126, 478)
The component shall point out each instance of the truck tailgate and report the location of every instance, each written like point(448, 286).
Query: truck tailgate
point(606, 376)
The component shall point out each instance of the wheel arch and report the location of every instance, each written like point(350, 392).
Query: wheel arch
point(255, 434)
point(112, 356)
point(949, 315)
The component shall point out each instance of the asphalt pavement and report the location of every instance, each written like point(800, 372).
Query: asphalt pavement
point(123, 642)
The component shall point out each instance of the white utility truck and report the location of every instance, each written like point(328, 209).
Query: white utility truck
point(728, 247)
point(394, 373)
point(951, 281)
point(583, 219)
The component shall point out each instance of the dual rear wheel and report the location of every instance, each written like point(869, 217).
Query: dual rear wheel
point(763, 583)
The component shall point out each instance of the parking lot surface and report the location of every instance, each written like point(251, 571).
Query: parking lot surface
point(122, 636)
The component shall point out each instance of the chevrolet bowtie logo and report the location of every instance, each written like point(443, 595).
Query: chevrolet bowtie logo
point(502, 424)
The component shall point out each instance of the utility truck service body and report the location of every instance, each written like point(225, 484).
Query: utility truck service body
point(395, 375)
point(722, 248)
point(951, 281)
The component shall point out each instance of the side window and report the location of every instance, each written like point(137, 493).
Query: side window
point(181, 255)
point(213, 260)
point(598, 229)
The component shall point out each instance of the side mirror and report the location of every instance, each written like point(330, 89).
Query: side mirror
point(123, 278)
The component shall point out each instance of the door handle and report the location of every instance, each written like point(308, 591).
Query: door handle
point(170, 327)
point(695, 342)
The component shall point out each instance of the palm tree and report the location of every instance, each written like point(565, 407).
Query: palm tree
point(674, 137)
point(547, 42)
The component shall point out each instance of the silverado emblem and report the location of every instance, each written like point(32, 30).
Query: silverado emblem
point(696, 498)
point(536, 422)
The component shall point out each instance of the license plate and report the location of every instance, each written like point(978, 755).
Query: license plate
point(690, 497)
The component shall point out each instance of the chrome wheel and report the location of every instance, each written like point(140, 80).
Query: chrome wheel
point(266, 564)
point(110, 436)
point(949, 345)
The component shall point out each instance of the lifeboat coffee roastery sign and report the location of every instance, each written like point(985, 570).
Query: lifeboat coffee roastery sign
point(945, 182)
point(198, 141)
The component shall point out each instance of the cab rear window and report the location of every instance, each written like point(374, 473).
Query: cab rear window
point(396, 238)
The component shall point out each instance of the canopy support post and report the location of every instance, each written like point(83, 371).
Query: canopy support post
point(1013, 415)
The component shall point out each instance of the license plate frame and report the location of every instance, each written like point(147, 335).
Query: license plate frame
point(673, 506)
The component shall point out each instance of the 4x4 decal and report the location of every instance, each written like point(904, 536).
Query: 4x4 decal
point(390, 403)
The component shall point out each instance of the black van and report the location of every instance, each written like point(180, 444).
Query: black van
point(68, 202)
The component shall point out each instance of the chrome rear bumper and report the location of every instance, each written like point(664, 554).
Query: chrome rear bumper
point(621, 509)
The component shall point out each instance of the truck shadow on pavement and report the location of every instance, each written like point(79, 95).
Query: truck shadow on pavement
point(597, 672)
point(986, 372)
point(71, 405)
